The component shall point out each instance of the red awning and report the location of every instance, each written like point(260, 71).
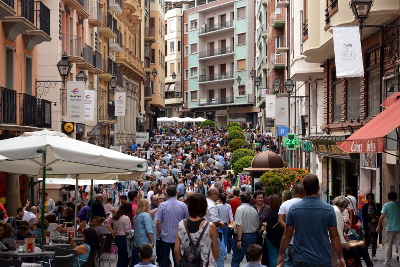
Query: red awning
point(371, 137)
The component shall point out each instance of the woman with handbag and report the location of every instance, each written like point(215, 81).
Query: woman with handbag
point(371, 211)
point(356, 250)
point(262, 210)
point(273, 229)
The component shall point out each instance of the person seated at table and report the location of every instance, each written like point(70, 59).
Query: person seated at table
point(15, 221)
point(23, 231)
point(53, 225)
point(69, 215)
point(355, 252)
point(97, 224)
point(83, 212)
point(90, 243)
point(36, 229)
point(6, 237)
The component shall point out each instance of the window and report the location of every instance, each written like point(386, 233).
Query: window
point(179, 46)
point(152, 87)
point(186, 51)
point(186, 97)
point(10, 68)
point(168, 112)
point(28, 75)
point(337, 98)
point(241, 12)
point(193, 48)
point(172, 47)
point(172, 25)
point(241, 38)
point(186, 73)
point(353, 99)
point(166, 29)
point(193, 72)
point(374, 86)
point(186, 27)
point(179, 67)
point(193, 25)
point(241, 64)
point(242, 90)
point(171, 68)
point(179, 24)
point(193, 96)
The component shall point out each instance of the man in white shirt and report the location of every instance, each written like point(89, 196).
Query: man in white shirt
point(352, 199)
point(30, 214)
point(283, 212)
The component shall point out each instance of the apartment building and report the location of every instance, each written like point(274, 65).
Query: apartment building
point(173, 67)
point(218, 47)
point(351, 103)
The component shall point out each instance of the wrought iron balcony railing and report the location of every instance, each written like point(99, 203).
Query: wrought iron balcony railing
point(10, 3)
point(305, 28)
point(215, 52)
point(217, 101)
point(72, 45)
point(150, 32)
point(111, 22)
point(216, 76)
point(220, 26)
point(8, 109)
point(88, 54)
point(328, 11)
point(112, 67)
point(97, 60)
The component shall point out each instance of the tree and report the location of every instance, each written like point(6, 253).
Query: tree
point(234, 128)
point(235, 135)
point(242, 163)
point(207, 123)
point(229, 125)
point(237, 144)
point(277, 180)
point(240, 153)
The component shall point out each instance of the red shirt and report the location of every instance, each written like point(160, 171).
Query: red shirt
point(5, 216)
point(235, 203)
point(134, 206)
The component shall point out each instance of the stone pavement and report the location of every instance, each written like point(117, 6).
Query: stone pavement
point(380, 255)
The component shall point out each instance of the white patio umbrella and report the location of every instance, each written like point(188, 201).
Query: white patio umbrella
point(199, 119)
point(51, 153)
point(58, 181)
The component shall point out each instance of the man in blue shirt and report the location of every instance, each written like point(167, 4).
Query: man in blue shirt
point(314, 223)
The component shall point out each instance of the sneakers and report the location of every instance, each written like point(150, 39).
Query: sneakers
point(374, 258)
point(386, 263)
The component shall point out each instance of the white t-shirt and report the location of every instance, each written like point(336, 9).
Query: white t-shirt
point(353, 204)
point(284, 209)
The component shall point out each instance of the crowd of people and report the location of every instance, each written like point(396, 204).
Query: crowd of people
point(192, 205)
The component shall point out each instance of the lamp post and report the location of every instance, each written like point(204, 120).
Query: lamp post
point(112, 83)
point(239, 80)
point(173, 75)
point(81, 76)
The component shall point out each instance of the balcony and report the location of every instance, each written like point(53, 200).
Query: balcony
point(205, 29)
point(97, 63)
point(116, 43)
point(278, 20)
point(148, 92)
point(87, 63)
point(216, 77)
point(216, 52)
point(128, 59)
point(72, 45)
point(8, 111)
point(216, 101)
point(95, 15)
point(150, 34)
point(109, 69)
point(278, 62)
point(81, 7)
point(32, 19)
point(116, 6)
point(305, 30)
point(330, 10)
point(282, 47)
point(282, 3)
point(109, 26)
point(6, 8)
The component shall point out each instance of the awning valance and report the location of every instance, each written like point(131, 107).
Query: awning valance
point(371, 137)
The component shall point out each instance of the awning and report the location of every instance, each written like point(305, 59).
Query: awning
point(371, 137)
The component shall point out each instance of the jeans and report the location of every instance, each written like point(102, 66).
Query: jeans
point(221, 258)
point(357, 253)
point(273, 254)
point(288, 257)
point(371, 238)
point(230, 243)
point(135, 256)
point(164, 251)
point(390, 235)
point(238, 254)
point(303, 264)
point(123, 260)
point(224, 238)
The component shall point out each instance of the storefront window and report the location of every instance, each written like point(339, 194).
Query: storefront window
point(337, 102)
point(353, 99)
point(374, 98)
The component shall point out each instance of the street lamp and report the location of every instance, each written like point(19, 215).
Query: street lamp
point(252, 73)
point(289, 86)
point(64, 66)
point(81, 76)
point(173, 75)
point(277, 86)
point(361, 9)
point(239, 80)
point(112, 84)
point(154, 73)
point(257, 82)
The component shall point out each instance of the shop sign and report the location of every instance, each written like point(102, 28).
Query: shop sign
point(269, 123)
point(291, 141)
point(306, 146)
point(368, 160)
point(203, 101)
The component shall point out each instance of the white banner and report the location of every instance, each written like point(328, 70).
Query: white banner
point(90, 99)
point(75, 102)
point(270, 106)
point(142, 137)
point(348, 53)
point(281, 111)
point(120, 103)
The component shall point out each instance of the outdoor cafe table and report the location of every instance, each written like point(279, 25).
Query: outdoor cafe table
point(65, 240)
point(56, 245)
point(19, 255)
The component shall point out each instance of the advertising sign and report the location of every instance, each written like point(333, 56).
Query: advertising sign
point(270, 106)
point(120, 103)
point(142, 137)
point(75, 102)
point(90, 99)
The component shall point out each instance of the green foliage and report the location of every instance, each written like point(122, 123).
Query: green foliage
point(242, 163)
point(235, 135)
point(240, 153)
point(237, 144)
point(234, 128)
point(229, 125)
point(277, 180)
point(207, 123)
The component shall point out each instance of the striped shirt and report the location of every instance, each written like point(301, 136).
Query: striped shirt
point(247, 217)
point(170, 213)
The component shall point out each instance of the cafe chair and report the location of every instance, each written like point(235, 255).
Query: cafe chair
point(99, 253)
point(62, 258)
point(10, 263)
point(90, 261)
point(105, 250)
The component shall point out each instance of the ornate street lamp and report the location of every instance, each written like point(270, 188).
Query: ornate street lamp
point(64, 66)
point(277, 86)
point(289, 86)
point(173, 75)
point(239, 80)
point(361, 9)
point(112, 83)
point(81, 76)
point(257, 82)
point(252, 73)
point(154, 73)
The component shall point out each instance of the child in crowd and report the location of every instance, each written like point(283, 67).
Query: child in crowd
point(254, 252)
point(145, 254)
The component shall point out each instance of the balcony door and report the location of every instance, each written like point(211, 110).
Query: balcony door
point(211, 48)
point(222, 45)
point(222, 68)
point(211, 73)
point(222, 20)
point(222, 96)
point(211, 22)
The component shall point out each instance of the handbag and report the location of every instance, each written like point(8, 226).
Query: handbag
point(264, 233)
point(355, 244)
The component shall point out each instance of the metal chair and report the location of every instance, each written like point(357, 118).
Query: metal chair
point(91, 260)
point(107, 246)
point(100, 252)
point(10, 263)
point(63, 261)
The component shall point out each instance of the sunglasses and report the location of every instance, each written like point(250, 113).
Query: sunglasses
point(23, 228)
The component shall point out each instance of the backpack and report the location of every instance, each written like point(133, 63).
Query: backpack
point(191, 254)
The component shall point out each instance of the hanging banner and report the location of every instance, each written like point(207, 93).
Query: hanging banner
point(90, 98)
point(281, 111)
point(76, 102)
point(270, 106)
point(120, 103)
point(348, 53)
